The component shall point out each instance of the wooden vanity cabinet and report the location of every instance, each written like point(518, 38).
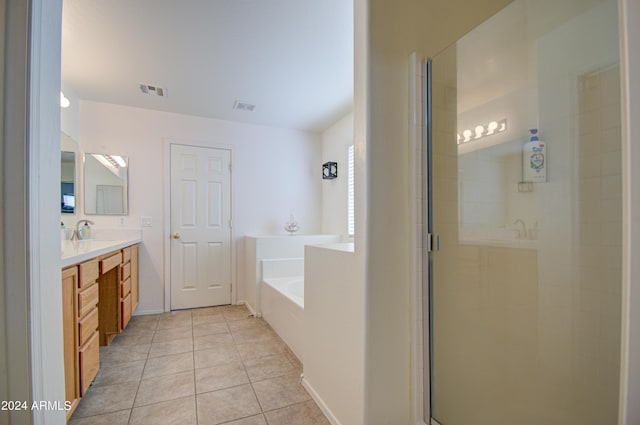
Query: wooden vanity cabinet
point(80, 298)
point(118, 284)
point(87, 323)
point(99, 297)
point(69, 314)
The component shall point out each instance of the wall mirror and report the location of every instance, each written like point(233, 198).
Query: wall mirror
point(106, 184)
point(67, 182)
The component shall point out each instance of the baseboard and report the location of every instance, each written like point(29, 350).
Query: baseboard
point(251, 310)
point(321, 404)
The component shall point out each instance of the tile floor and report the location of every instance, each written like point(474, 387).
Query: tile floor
point(201, 367)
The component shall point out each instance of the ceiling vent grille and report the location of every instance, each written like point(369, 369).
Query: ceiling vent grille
point(243, 106)
point(151, 90)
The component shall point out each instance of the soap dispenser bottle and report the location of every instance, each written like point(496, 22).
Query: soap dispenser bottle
point(85, 231)
point(534, 159)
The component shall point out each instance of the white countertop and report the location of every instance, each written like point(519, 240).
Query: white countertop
point(74, 252)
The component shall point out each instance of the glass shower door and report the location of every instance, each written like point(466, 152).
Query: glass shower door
point(525, 287)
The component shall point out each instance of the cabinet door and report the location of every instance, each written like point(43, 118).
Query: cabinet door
point(71, 376)
point(125, 305)
point(89, 357)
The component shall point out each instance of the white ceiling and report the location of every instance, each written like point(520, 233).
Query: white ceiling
point(293, 59)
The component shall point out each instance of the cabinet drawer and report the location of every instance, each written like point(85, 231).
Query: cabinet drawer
point(126, 254)
point(87, 299)
point(89, 362)
point(125, 288)
point(87, 326)
point(125, 306)
point(89, 272)
point(110, 262)
point(126, 270)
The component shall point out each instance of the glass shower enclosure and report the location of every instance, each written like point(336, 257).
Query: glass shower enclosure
point(525, 194)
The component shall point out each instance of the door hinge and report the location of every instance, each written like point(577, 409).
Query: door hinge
point(433, 242)
point(230, 223)
point(230, 168)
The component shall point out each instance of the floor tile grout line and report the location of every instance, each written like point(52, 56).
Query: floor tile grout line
point(193, 358)
point(140, 380)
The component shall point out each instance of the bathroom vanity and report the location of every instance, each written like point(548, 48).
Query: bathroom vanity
point(99, 293)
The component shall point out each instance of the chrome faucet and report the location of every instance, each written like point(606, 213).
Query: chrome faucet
point(522, 232)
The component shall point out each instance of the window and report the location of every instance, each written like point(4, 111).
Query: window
point(350, 189)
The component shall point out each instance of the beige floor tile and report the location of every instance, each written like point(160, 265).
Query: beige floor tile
point(236, 313)
point(123, 354)
point(270, 347)
point(252, 420)
point(168, 365)
point(220, 377)
point(268, 367)
point(177, 346)
point(115, 418)
point(175, 320)
point(106, 399)
point(203, 342)
point(280, 392)
point(138, 328)
point(181, 411)
point(226, 405)
point(146, 318)
point(123, 372)
point(294, 360)
point(210, 328)
point(253, 335)
point(250, 323)
point(211, 318)
point(168, 335)
point(306, 413)
point(206, 311)
point(164, 388)
point(125, 339)
point(216, 356)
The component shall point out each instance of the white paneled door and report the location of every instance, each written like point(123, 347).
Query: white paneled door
point(200, 226)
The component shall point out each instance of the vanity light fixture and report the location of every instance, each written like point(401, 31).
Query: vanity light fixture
point(482, 131)
point(64, 102)
point(329, 170)
point(115, 160)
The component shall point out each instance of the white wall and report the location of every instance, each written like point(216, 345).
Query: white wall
point(276, 172)
point(70, 116)
point(335, 142)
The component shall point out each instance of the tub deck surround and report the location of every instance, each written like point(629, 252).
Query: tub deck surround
point(258, 248)
point(282, 300)
point(334, 331)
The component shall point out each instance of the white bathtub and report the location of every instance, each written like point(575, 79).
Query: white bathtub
point(283, 309)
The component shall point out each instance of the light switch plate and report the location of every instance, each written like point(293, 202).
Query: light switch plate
point(145, 221)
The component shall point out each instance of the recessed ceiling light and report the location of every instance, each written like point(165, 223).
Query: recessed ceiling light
point(243, 106)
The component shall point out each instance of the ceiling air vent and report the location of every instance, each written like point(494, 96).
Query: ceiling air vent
point(152, 90)
point(243, 106)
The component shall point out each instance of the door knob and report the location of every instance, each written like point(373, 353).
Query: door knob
point(176, 235)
